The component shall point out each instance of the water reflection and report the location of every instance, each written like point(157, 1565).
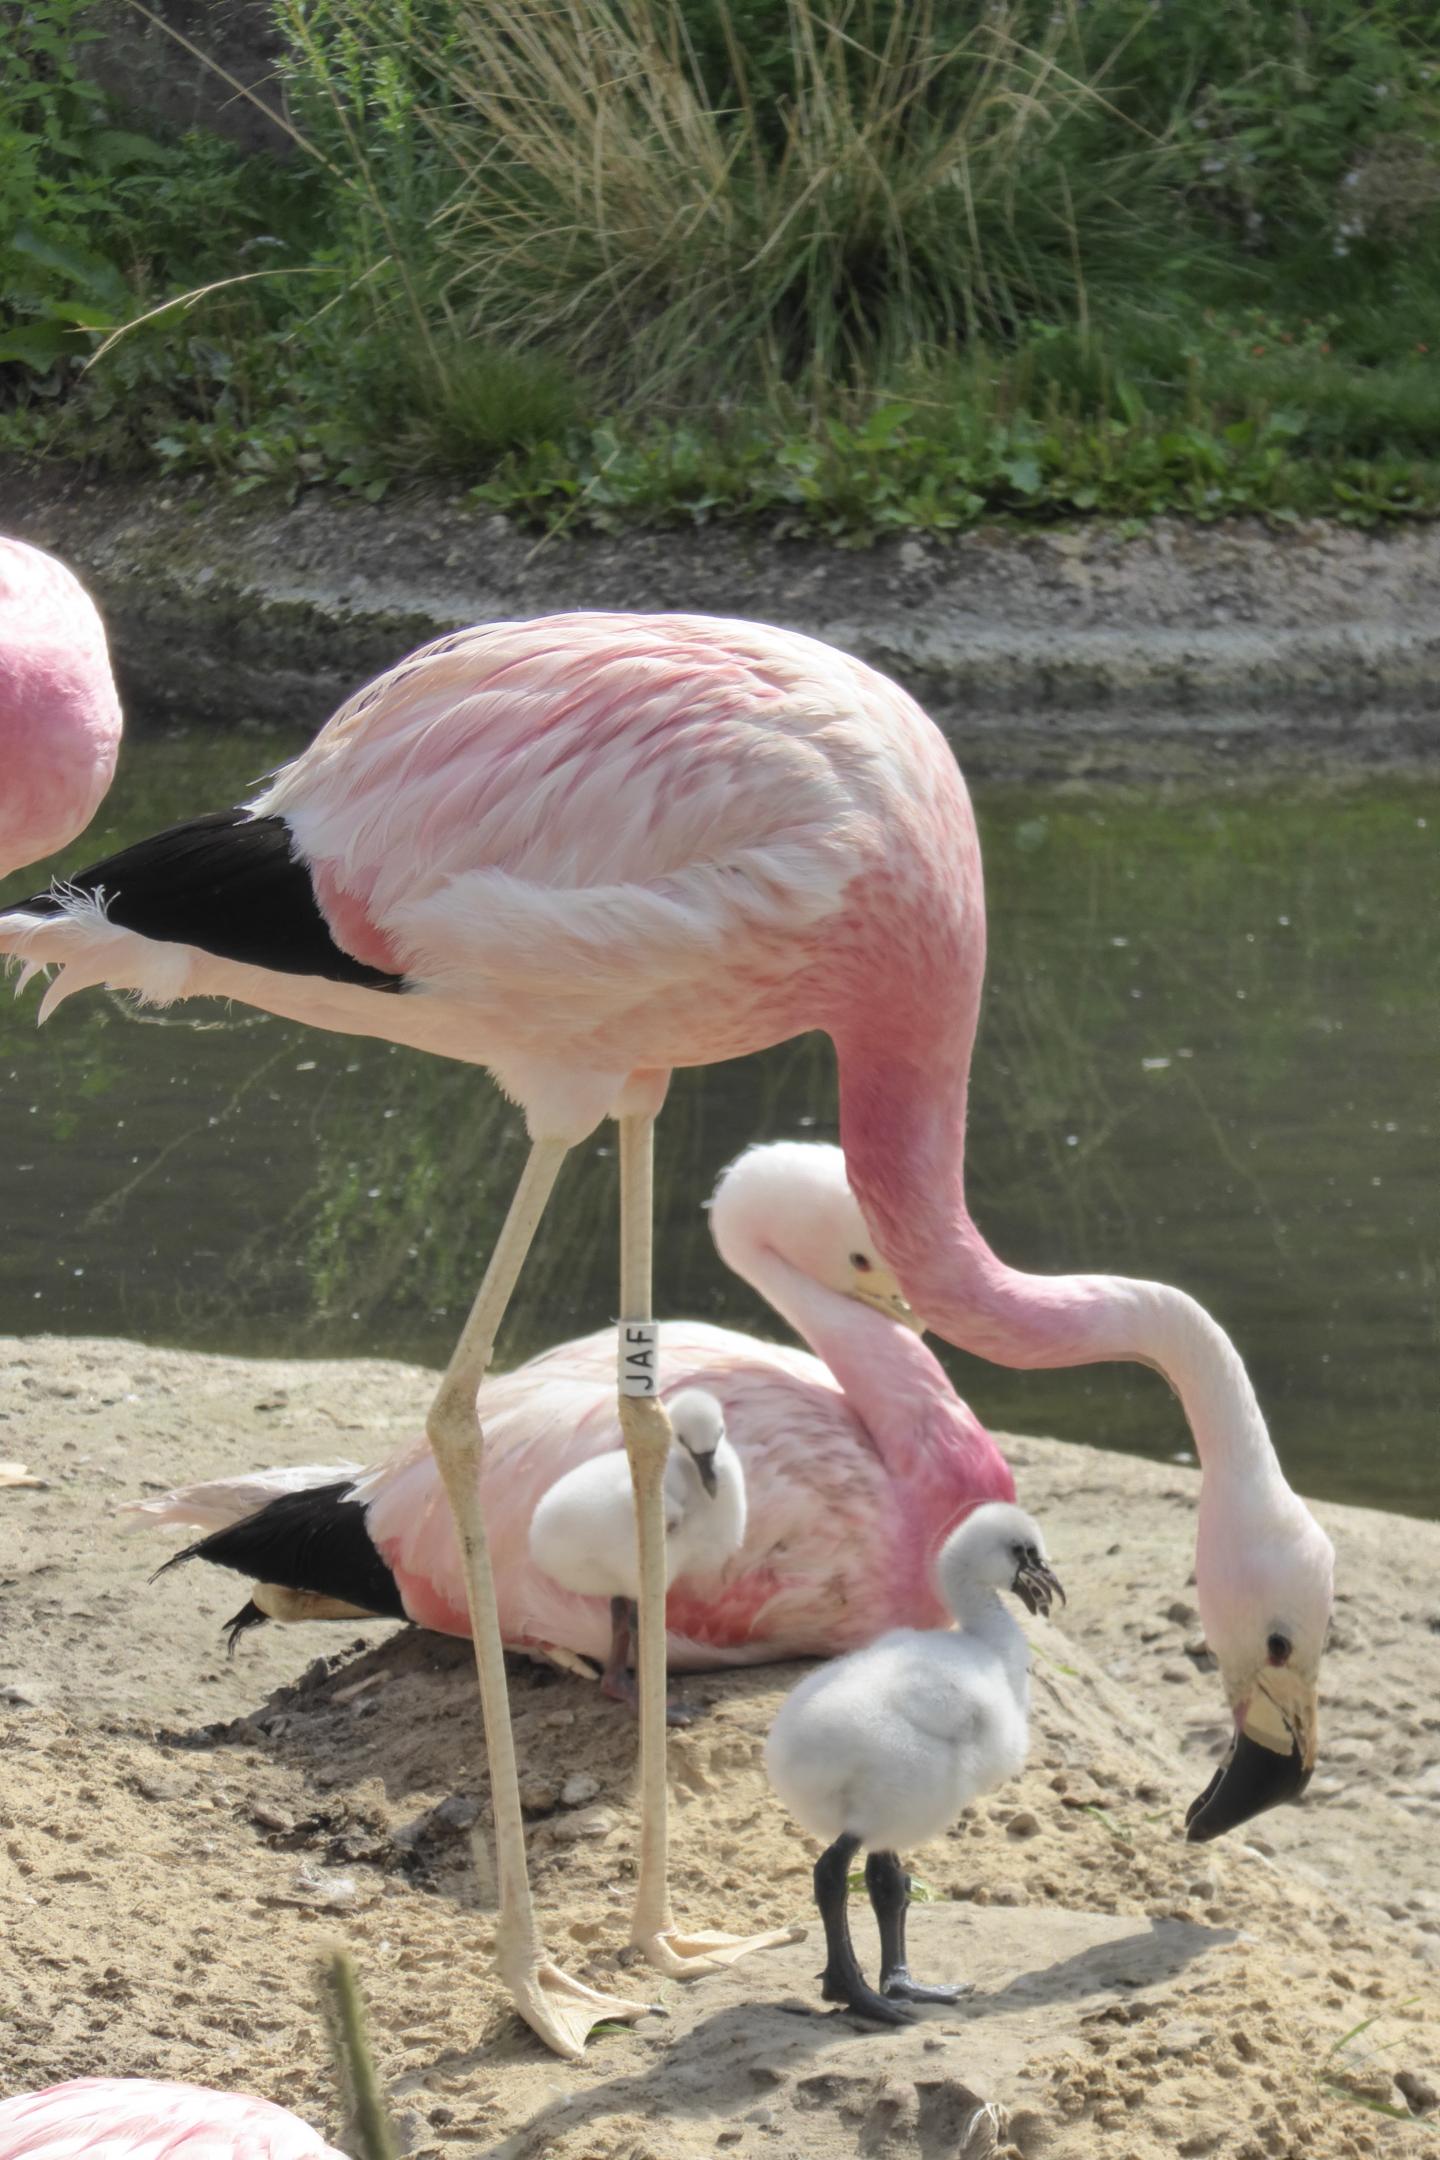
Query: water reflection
point(1208, 1054)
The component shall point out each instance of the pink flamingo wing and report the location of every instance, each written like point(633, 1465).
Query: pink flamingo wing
point(59, 710)
point(597, 811)
point(143, 2119)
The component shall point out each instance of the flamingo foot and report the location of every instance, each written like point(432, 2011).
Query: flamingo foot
point(563, 2010)
point(899, 1987)
point(621, 1688)
point(684, 1954)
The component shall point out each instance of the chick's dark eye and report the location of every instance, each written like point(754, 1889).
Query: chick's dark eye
point(1277, 1648)
point(1018, 1554)
point(860, 1263)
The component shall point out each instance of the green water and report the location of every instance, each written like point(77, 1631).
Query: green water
point(1209, 1054)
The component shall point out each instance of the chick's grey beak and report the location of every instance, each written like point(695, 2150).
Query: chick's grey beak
point(1037, 1588)
point(705, 1464)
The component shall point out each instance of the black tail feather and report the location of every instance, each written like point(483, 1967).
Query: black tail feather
point(227, 883)
point(315, 1540)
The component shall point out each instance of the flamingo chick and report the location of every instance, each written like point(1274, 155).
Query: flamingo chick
point(583, 1533)
point(882, 1749)
point(144, 2119)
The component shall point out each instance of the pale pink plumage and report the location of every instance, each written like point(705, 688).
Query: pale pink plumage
point(59, 712)
point(215, 1503)
point(593, 844)
point(851, 1488)
point(142, 2119)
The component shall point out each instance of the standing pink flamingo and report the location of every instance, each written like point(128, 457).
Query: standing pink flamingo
point(143, 2119)
point(856, 1469)
point(59, 712)
point(586, 849)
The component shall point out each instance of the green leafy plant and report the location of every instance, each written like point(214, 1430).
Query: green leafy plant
point(920, 1892)
point(1334, 2062)
point(868, 269)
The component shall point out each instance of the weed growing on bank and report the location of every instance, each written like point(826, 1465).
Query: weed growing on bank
point(853, 268)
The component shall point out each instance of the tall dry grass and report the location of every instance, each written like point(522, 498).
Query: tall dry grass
point(905, 189)
point(891, 186)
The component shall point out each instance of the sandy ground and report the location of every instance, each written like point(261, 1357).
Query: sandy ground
point(183, 1833)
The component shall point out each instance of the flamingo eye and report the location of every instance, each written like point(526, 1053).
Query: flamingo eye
point(1277, 1648)
point(860, 1263)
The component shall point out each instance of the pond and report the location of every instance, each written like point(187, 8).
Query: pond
point(1209, 1054)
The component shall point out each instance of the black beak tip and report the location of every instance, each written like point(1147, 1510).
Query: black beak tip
point(1251, 1780)
point(1197, 1804)
point(1037, 1590)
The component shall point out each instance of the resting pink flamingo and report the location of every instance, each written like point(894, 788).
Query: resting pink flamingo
point(581, 851)
point(142, 2119)
point(856, 1468)
point(59, 712)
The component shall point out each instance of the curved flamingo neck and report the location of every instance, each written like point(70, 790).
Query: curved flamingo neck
point(899, 1390)
point(904, 1155)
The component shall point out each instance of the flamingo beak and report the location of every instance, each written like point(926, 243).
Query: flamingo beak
point(1037, 1587)
point(1270, 1759)
point(705, 1464)
point(892, 1303)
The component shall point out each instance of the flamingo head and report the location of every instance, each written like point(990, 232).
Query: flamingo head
point(793, 1197)
point(1264, 1574)
point(698, 1423)
point(998, 1547)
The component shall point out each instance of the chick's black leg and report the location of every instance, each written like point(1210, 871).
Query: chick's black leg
point(889, 1888)
point(842, 1980)
point(617, 1680)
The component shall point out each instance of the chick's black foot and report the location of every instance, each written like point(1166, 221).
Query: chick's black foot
point(842, 1980)
point(856, 1994)
point(900, 1985)
point(621, 1687)
point(617, 1680)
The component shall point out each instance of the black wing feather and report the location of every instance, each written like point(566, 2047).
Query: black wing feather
point(315, 1540)
point(228, 883)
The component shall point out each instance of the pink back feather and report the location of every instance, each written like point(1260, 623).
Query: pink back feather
point(142, 2119)
point(59, 710)
point(219, 1502)
point(624, 839)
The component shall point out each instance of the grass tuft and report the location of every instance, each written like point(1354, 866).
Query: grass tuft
point(855, 268)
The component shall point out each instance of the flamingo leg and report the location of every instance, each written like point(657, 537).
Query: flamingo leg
point(617, 1681)
point(679, 1952)
point(889, 1888)
point(561, 2010)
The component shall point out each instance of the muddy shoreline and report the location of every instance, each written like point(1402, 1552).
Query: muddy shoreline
point(182, 1832)
point(1215, 655)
